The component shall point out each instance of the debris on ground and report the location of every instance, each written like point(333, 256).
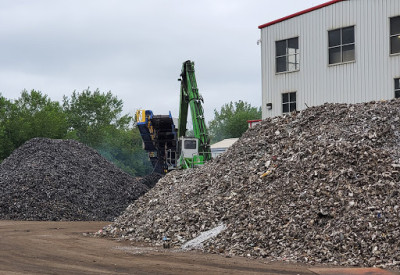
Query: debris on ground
point(47, 179)
point(318, 186)
point(197, 243)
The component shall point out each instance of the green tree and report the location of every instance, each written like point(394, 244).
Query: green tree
point(96, 119)
point(31, 115)
point(6, 144)
point(231, 120)
point(35, 115)
point(91, 114)
point(93, 118)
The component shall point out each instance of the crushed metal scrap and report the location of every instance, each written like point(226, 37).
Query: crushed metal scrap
point(319, 186)
point(47, 179)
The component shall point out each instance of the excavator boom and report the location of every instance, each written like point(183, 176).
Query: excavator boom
point(190, 97)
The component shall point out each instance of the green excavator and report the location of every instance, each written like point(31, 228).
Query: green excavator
point(167, 144)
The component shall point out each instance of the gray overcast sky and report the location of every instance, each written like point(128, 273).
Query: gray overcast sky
point(135, 49)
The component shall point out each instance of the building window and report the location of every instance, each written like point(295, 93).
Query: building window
point(287, 55)
point(288, 102)
point(395, 35)
point(341, 45)
point(397, 87)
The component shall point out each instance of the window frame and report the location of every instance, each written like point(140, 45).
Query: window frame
point(286, 55)
point(392, 35)
point(341, 45)
point(190, 144)
point(396, 90)
point(289, 102)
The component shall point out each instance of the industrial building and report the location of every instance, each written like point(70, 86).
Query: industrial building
point(343, 51)
point(221, 147)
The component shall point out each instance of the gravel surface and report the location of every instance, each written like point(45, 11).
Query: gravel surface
point(319, 186)
point(55, 180)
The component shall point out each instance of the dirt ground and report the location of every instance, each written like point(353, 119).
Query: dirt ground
point(62, 248)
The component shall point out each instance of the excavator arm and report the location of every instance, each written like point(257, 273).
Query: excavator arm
point(190, 97)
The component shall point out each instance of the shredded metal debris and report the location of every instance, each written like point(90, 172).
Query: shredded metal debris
point(56, 180)
point(319, 186)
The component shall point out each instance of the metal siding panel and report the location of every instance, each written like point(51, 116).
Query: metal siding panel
point(394, 62)
point(385, 48)
point(372, 50)
point(361, 87)
point(264, 72)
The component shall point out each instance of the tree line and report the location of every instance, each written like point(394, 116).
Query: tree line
point(96, 119)
point(91, 117)
point(231, 120)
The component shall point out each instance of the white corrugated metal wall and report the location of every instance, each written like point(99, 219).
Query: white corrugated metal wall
point(370, 77)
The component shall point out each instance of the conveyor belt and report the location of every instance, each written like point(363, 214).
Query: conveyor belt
point(159, 136)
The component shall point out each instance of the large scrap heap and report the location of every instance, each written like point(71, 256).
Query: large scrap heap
point(319, 186)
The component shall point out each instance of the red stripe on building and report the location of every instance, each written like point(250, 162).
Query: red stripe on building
point(300, 13)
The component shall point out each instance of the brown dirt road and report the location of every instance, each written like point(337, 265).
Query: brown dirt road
point(61, 248)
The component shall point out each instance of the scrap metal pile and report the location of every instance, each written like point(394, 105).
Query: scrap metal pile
point(49, 179)
point(319, 186)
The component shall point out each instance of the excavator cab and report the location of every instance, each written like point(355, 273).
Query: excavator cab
point(189, 147)
point(189, 157)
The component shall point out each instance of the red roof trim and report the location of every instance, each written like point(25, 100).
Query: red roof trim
point(300, 13)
